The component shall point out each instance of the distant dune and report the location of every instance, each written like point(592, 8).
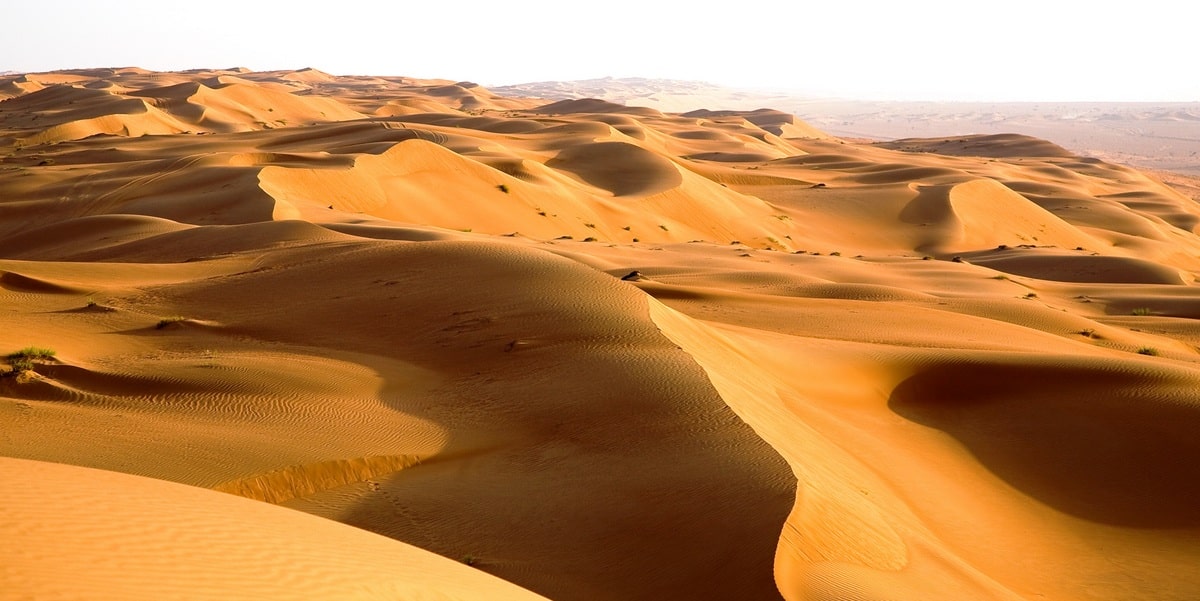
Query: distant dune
point(1162, 136)
point(574, 349)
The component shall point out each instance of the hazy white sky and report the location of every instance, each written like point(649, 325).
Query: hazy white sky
point(902, 49)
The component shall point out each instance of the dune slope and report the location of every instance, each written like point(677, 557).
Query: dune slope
point(156, 539)
point(598, 352)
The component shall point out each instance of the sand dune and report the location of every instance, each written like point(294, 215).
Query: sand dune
point(592, 105)
point(776, 122)
point(995, 145)
point(68, 111)
point(1154, 135)
point(596, 351)
point(157, 539)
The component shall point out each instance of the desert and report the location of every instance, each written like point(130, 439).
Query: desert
point(295, 335)
point(1161, 136)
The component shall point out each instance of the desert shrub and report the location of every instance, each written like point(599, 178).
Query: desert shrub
point(166, 321)
point(26, 358)
point(34, 353)
point(1148, 350)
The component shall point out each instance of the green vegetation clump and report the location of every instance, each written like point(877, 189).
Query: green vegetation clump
point(1141, 311)
point(1148, 350)
point(25, 359)
point(33, 352)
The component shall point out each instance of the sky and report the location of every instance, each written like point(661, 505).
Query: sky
point(1010, 50)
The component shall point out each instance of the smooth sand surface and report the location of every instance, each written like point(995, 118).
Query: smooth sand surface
point(946, 368)
point(80, 533)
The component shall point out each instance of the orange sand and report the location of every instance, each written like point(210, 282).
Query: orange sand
point(954, 368)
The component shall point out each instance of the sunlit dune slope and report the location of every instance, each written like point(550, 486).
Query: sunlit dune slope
point(78, 533)
point(403, 377)
point(599, 352)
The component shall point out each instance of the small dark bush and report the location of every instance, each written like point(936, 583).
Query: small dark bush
point(166, 321)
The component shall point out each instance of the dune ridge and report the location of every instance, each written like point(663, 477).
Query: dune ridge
point(305, 480)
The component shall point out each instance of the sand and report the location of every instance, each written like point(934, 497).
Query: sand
point(1149, 135)
point(81, 533)
point(944, 368)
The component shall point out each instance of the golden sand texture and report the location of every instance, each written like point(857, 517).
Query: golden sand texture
point(81, 533)
point(598, 352)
